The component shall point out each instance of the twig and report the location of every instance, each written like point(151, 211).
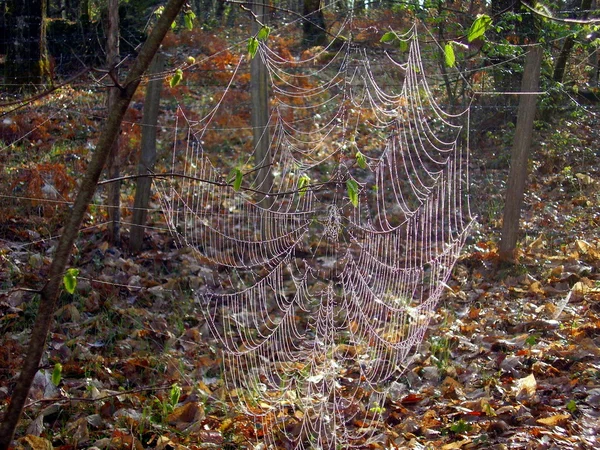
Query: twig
point(253, 15)
point(558, 19)
point(23, 103)
point(91, 400)
point(277, 8)
point(311, 187)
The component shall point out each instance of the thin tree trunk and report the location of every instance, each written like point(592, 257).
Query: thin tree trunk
point(89, 183)
point(148, 155)
point(114, 169)
point(517, 176)
point(561, 61)
point(567, 48)
point(259, 93)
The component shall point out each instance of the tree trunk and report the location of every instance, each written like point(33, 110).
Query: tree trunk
point(313, 27)
point(27, 61)
point(259, 93)
point(86, 192)
point(148, 155)
point(567, 48)
point(561, 61)
point(517, 176)
point(114, 169)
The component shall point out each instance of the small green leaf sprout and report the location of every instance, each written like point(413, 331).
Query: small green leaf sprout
point(361, 160)
point(56, 374)
point(253, 42)
point(449, 56)
point(176, 78)
point(352, 188)
point(70, 280)
point(235, 178)
point(189, 18)
point(252, 47)
point(303, 182)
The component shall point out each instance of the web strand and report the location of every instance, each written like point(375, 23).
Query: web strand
point(319, 300)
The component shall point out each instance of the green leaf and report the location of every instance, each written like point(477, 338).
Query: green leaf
point(70, 280)
point(189, 18)
point(303, 182)
point(236, 177)
point(461, 427)
point(263, 34)
point(377, 410)
point(56, 374)
point(479, 27)
point(174, 394)
point(361, 161)
point(531, 340)
point(252, 47)
point(352, 187)
point(572, 406)
point(390, 36)
point(403, 45)
point(449, 55)
point(176, 78)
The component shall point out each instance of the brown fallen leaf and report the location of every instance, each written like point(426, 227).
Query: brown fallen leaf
point(525, 387)
point(183, 415)
point(455, 445)
point(78, 431)
point(555, 420)
point(31, 442)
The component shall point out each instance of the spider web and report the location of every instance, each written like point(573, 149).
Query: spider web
point(320, 296)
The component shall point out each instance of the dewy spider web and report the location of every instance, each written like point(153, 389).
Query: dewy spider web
point(318, 302)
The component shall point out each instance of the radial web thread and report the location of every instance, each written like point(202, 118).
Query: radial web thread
point(319, 300)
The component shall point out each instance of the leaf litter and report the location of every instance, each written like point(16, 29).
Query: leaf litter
point(511, 359)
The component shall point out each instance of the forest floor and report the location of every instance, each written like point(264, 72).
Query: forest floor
point(511, 359)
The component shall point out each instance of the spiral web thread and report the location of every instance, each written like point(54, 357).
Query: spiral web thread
point(318, 302)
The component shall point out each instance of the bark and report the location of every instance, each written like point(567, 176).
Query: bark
point(517, 176)
point(114, 166)
point(148, 155)
point(49, 292)
point(561, 61)
point(27, 61)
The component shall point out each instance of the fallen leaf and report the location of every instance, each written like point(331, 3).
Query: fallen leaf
point(584, 178)
point(525, 387)
point(31, 442)
point(411, 399)
point(555, 420)
point(454, 445)
point(184, 415)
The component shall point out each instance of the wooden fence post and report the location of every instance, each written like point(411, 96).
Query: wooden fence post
point(517, 177)
point(148, 154)
point(259, 93)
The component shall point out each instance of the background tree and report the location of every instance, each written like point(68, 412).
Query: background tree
point(27, 61)
point(49, 292)
point(112, 63)
point(313, 24)
point(568, 44)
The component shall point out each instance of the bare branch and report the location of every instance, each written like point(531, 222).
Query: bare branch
point(558, 19)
